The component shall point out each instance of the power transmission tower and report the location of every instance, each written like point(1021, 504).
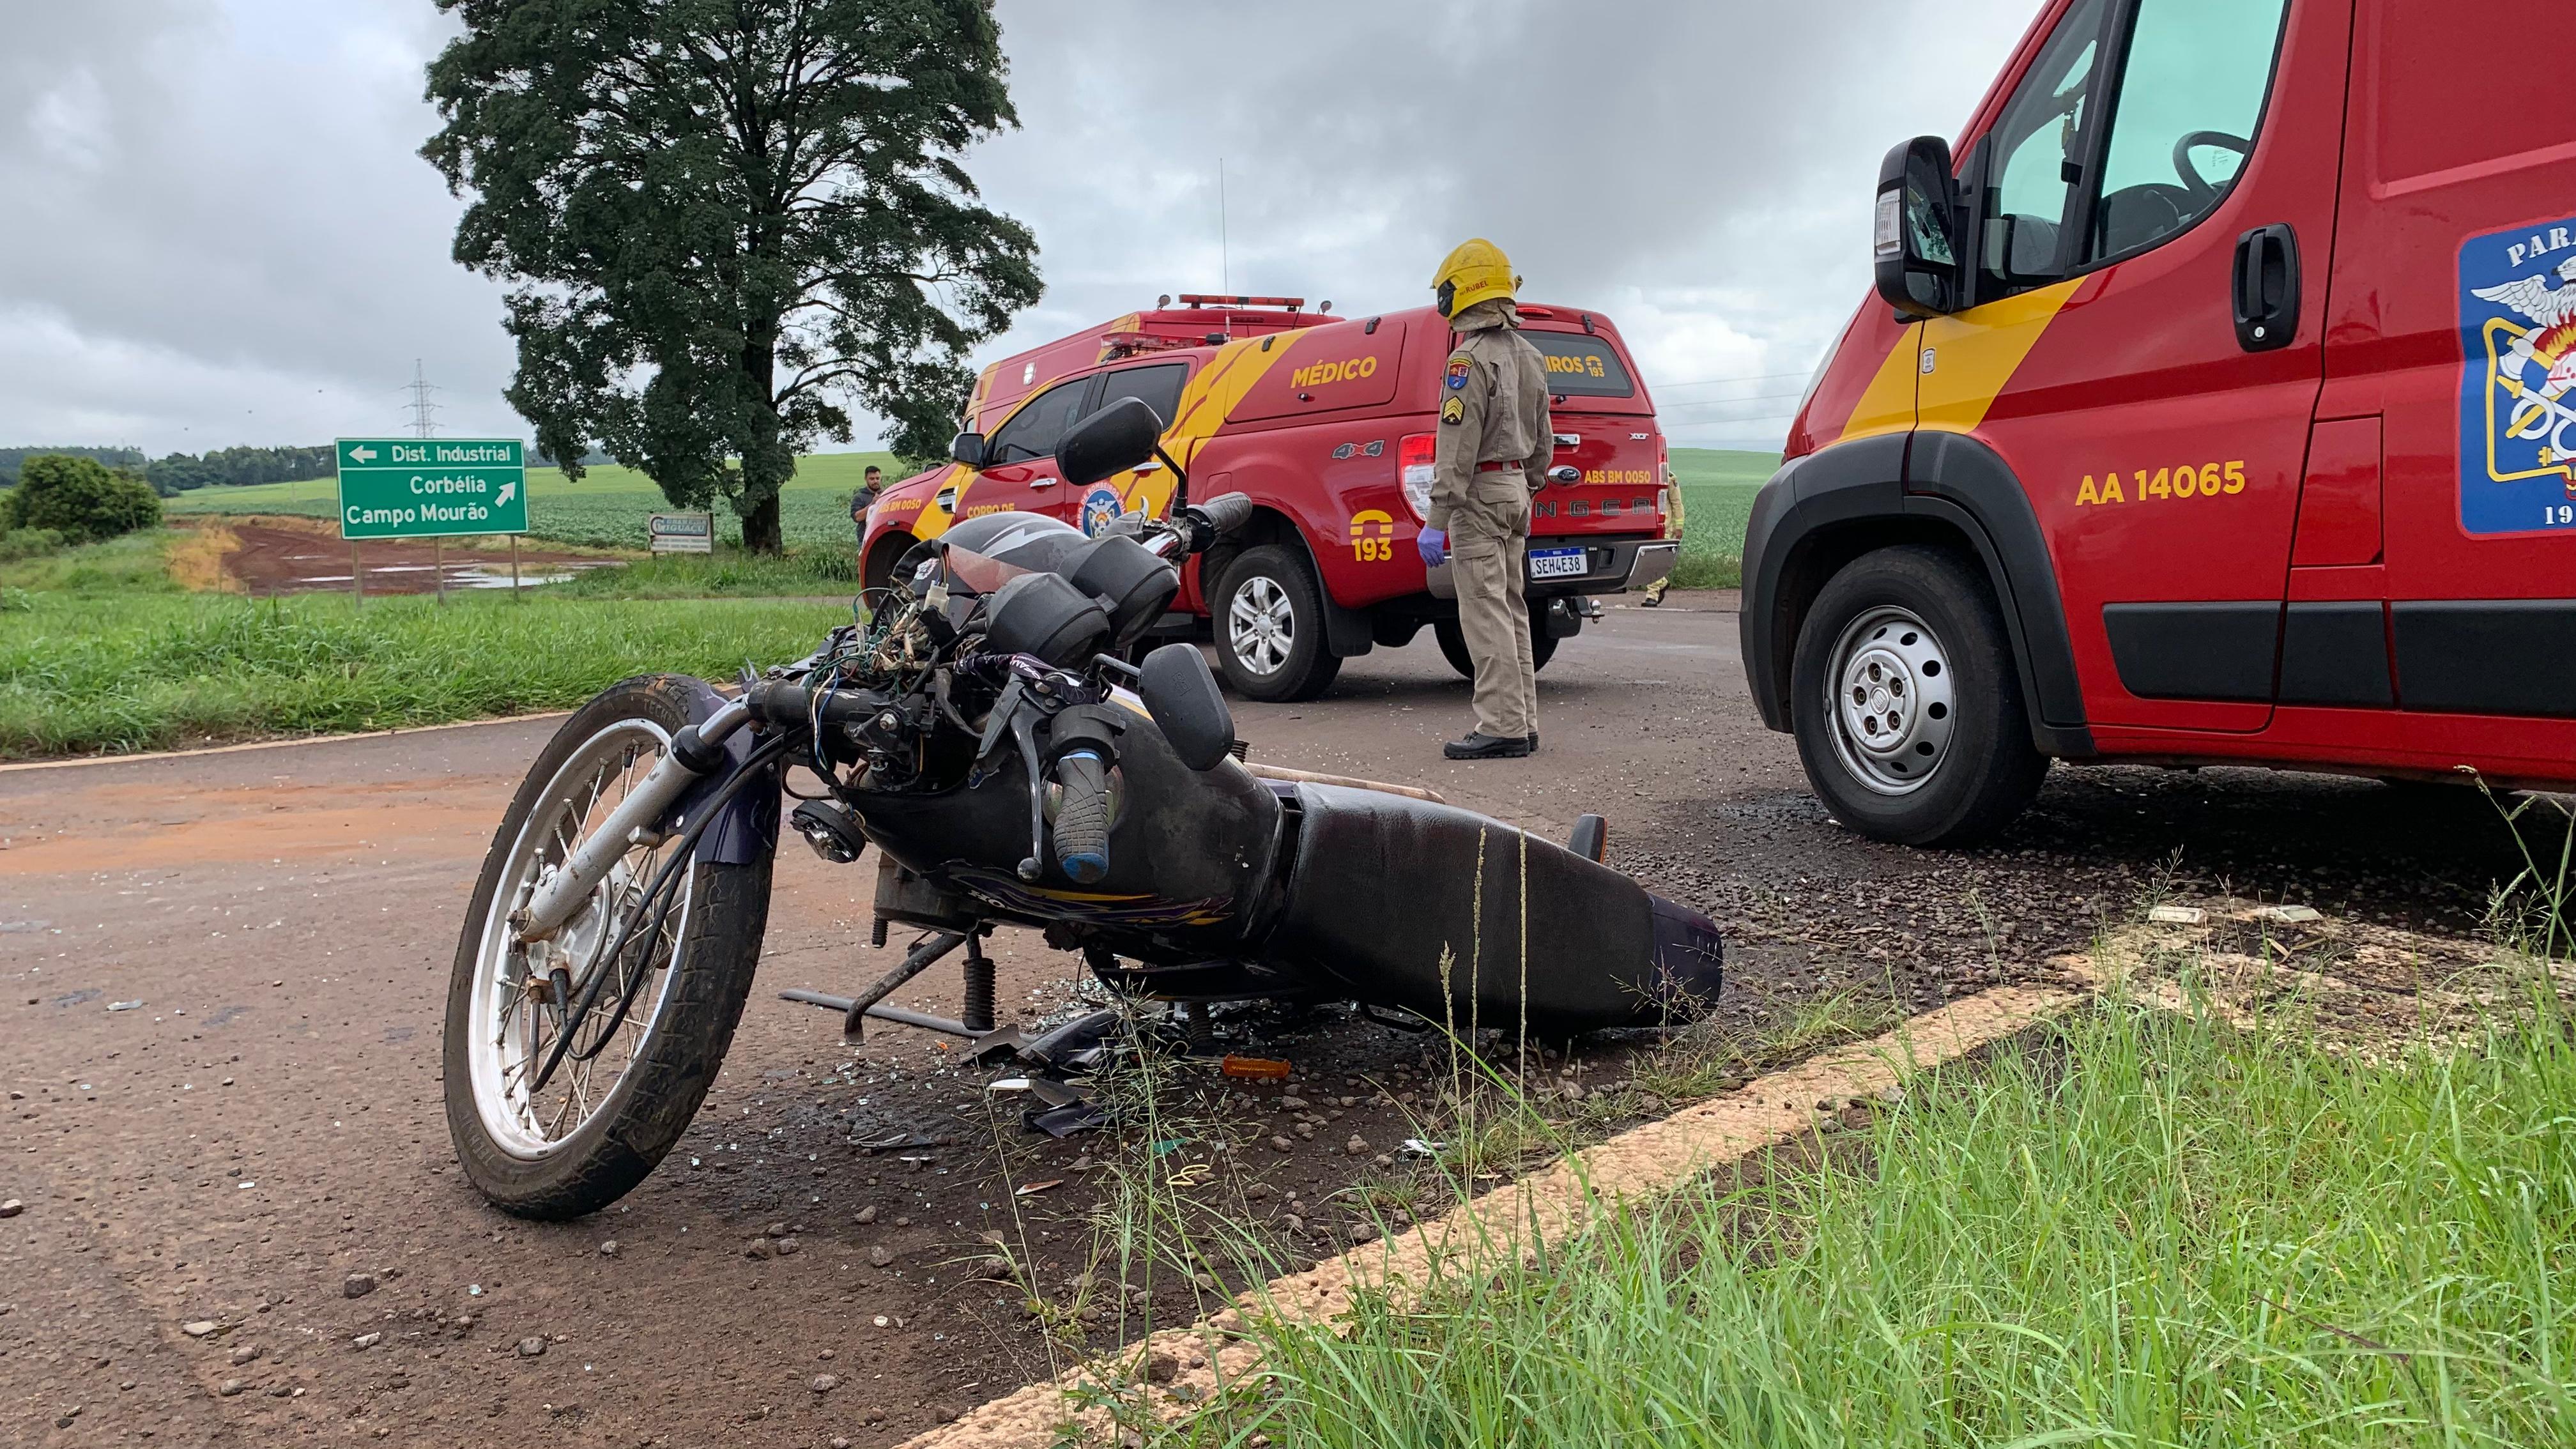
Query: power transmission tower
point(424, 413)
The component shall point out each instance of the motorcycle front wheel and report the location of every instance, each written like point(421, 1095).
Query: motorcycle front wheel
point(640, 1063)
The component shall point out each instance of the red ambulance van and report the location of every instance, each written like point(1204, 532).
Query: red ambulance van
point(2213, 407)
point(1326, 422)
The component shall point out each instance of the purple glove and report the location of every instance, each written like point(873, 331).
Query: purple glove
point(1434, 546)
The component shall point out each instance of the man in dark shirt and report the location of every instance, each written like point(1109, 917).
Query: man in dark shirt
point(863, 499)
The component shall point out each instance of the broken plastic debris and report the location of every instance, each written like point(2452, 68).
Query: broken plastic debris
point(1257, 1068)
point(1416, 1147)
point(2289, 915)
point(123, 1005)
point(1032, 1189)
point(2177, 915)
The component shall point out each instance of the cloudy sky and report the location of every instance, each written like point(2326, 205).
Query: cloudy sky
point(218, 230)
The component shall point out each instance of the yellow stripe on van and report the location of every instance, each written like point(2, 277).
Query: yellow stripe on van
point(1974, 354)
point(1887, 404)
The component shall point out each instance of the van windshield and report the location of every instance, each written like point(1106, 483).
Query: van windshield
point(1581, 365)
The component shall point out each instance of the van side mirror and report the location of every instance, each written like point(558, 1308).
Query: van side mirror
point(1181, 695)
point(967, 448)
point(1915, 239)
point(1113, 440)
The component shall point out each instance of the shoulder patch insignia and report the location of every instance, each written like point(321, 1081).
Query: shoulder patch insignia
point(1458, 368)
point(1454, 411)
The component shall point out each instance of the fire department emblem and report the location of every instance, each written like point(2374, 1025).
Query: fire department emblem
point(1100, 508)
point(2517, 418)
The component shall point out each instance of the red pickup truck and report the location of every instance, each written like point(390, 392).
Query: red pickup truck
point(1326, 422)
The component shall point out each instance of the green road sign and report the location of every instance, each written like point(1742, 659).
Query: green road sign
point(429, 487)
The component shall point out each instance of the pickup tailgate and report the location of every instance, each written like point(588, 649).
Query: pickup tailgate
point(1605, 431)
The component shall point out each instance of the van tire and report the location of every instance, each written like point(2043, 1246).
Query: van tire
point(1453, 646)
point(1289, 660)
point(1907, 705)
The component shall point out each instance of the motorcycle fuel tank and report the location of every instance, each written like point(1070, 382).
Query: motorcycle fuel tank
point(1190, 852)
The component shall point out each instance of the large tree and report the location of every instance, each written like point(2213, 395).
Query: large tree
point(729, 219)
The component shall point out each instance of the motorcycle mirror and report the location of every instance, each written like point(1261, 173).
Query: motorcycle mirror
point(1113, 440)
point(1181, 695)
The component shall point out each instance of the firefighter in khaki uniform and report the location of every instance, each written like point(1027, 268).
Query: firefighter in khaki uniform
point(1494, 448)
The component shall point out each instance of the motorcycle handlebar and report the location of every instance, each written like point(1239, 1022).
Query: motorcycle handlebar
point(1225, 513)
point(1082, 817)
point(786, 702)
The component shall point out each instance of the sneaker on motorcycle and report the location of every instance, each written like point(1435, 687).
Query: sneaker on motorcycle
point(1481, 746)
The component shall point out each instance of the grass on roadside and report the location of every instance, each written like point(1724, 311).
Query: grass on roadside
point(134, 563)
point(124, 670)
point(728, 572)
point(2147, 1229)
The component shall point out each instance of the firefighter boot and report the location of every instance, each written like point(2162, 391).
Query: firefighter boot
point(1481, 746)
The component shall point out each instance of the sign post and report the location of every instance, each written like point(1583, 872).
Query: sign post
point(434, 488)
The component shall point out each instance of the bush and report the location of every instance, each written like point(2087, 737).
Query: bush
point(18, 543)
point(79, 498)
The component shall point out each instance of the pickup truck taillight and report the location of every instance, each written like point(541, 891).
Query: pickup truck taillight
point(1416, 460)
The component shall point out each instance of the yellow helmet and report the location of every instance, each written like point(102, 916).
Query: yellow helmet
point(1476, 272)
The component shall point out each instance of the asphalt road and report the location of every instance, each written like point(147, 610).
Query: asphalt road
point(220, 1044)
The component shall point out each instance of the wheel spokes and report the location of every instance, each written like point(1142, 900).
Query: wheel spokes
point(526, 1030)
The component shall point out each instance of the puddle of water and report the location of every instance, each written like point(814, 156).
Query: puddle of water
point(500, 579)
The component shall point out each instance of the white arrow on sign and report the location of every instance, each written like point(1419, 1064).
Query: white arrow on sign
point(508, 492)
point(363, 453)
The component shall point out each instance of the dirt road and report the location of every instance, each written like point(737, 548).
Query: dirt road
point(298, 556)
point(242, 1223)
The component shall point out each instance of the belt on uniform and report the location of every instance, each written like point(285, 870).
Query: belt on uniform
point(1498, 467)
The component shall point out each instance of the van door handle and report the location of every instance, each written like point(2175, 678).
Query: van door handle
point(2267, 288)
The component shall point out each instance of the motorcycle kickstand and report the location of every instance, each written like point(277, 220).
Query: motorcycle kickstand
point(855, 1010)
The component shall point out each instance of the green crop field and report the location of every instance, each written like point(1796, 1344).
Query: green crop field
point(605, 509)
point(1717, 499)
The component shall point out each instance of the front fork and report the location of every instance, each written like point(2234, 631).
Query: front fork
point(695, 752)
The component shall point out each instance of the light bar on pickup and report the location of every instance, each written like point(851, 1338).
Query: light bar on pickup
point(1196, 299)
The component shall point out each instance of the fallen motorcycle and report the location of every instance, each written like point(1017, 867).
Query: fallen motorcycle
point(985, 731)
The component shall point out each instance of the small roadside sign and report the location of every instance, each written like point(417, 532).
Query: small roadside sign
point(432, 487)
point(681, 532)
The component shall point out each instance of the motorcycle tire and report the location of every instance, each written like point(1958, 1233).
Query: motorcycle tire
point(1453, 646)
point(691, 1018)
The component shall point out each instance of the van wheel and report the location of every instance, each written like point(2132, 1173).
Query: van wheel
point(1453, 646)
point(1269, 620)
point(1907, 707)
